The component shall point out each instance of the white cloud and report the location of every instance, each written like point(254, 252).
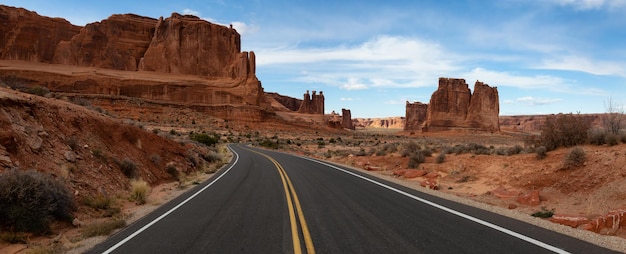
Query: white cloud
point(495, 78)
point(353, 84)
point(576, 63)
point(190, 12)
point(241, 27)
point(396, 102)
point(592, 4)
point(532, 101)
point(508, 102)
point(346, 99)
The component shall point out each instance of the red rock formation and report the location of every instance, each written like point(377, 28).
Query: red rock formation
point(453, 106)
point(289, 103)
point(312, 104)
point(118, 42)
point(415, 115)
point(27, 36)
point(569, 220)
point(189, 45)
point(346, 119)
point(388, 122)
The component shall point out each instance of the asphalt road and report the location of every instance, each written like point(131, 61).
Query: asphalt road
point(271, 202)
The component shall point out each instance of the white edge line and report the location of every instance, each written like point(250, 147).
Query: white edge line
point(128, 238)
point(474, 219)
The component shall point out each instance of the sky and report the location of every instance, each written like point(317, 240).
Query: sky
point(544, 56)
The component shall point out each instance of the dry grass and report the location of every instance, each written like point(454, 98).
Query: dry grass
point(103, 228)
point(139, 191)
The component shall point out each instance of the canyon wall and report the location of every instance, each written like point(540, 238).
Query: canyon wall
point(158, 57)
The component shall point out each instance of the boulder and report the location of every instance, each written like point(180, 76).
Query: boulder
point(608, 223)
point(569, 220)
point(503, 193)
point(413, 173)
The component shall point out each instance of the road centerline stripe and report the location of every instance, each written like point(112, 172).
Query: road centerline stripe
point(288, 186)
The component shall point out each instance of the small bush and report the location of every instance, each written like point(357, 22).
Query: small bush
point(38, 90)
point(623, 138)
point(409, 148)
point(269, 144)
point(29, 200)
point(128, 167)
point(541, 152)
point(441, 157)
point(72, 142)
point(381, 152)
point(99, 202)
point(544, 213)
point(206, 139)
point(139, 191)
point(361, 152)
point(171, 169)
point(415, 159)
point(212, 157)
point(612, 139)
point(103, 228)
point(574, 158)
point(597, 137)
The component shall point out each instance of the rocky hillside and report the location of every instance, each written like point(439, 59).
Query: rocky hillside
point(84, 148)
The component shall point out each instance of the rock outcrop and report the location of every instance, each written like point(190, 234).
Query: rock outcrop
point(30, 37)
point(387, 123)
point(346, 119)
point(289, 103)
point(312, 104)
point(170, 50)
point(453, 106)
point(415, 115)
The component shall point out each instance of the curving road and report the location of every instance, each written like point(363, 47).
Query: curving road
point(271, 202)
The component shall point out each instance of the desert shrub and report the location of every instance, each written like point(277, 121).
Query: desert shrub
point(612, 139)
point(100, 202)
point(29, 200)
point(390, 147)
point(99, 155)
point(381, 152)
point(415, 159)
point(541, 152)
point(206, 139)
point(409, 148)
point(517, 149)
point(574, 158)
point(321, 144)
point(597, 137)
point(171, 169)
point(623, 138)
point(361, 152)
point(155, 158)
point(212, 156)
point(139, 191)
point(38, 90)
point(441, 157)
point(103, 228)
point(544, 213)
point(128, 167)
point(564, 130)
point(269, 144)
point(478, 149)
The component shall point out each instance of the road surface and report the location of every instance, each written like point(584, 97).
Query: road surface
point(271, 202)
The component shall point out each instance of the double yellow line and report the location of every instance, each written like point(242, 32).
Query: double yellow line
point(290, 193)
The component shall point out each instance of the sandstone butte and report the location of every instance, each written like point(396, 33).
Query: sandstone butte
point(180, 60)
point(453, 106)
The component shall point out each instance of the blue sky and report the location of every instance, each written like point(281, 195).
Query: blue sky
point(545, 56)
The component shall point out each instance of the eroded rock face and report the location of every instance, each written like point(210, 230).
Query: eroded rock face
point(312, 104)
point(27, 36)
point(118, 42)
point(290, 103)
point(346, 119)
point(415, 115)
point(453, 106)
point(186, 44)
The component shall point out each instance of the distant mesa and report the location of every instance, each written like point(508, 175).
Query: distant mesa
point(453, 106)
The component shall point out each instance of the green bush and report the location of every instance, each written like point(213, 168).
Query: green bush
point(544, 213)
point(30, 200)
point(206, 139)
point(574, 158)
point(541, 152)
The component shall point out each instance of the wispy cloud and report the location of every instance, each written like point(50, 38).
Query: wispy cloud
point(532, 101)
point(241, 27)
point(498, 78)
point(591, 4)
point(577, 63)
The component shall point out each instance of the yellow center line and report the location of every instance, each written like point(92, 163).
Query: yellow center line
point(289, 193)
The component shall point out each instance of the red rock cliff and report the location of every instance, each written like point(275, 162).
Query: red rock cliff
point(415, 115)
point(453, 106)
point(24, 35)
